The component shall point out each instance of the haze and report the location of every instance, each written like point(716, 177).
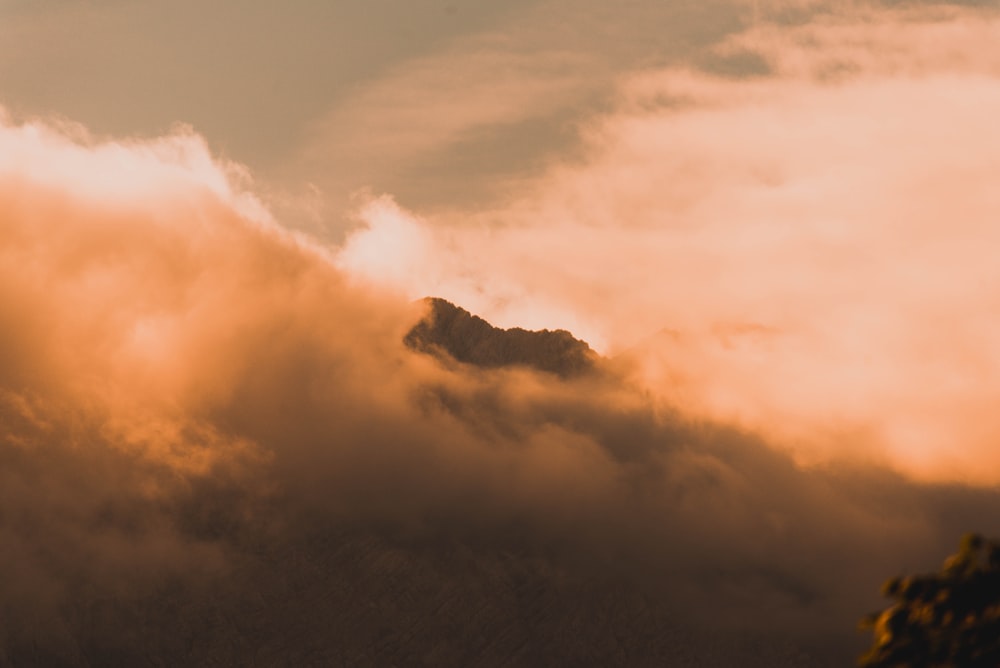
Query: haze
point(775, 220)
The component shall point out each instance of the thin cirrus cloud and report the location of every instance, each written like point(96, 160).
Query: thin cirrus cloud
point(469, 122)
point(813, 244)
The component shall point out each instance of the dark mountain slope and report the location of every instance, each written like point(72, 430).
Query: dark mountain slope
point(450, 330)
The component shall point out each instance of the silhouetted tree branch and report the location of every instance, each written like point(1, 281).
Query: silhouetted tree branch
point(947, 619)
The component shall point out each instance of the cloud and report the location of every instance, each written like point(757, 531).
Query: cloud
point(813, 240)
point(216, 448)
point(472, 120)
point(205, 418)
point(415, 129)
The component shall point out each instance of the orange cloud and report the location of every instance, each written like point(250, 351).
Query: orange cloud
point(834, 218)
point(203, 412)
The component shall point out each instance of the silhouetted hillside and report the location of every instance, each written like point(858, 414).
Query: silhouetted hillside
point(449, 329)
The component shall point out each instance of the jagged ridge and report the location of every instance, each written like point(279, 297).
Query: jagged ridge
point(451, 330)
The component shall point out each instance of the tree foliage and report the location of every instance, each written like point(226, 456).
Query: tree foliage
point(946, 619)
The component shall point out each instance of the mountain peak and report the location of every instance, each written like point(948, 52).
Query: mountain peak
point(452, 331)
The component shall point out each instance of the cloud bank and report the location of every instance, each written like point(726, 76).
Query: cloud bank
point(810, 238)
point(217, 448)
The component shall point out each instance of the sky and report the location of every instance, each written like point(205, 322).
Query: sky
point(774, 217)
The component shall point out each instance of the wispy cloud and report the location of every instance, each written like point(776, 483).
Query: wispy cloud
point(839, 208)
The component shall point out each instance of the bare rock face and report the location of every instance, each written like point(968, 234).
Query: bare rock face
point(451, 331)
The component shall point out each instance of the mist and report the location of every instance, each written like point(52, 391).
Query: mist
point(217, 448)
point(793, 236)
point(773, 220)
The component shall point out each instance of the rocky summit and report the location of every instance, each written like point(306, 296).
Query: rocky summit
point(452, 332)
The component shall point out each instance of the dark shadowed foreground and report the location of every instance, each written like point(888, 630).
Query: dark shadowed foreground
point(596, 530)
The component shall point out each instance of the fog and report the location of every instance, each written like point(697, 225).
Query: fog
point(217, 448)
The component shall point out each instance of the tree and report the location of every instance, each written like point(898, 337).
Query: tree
point(949, 619)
